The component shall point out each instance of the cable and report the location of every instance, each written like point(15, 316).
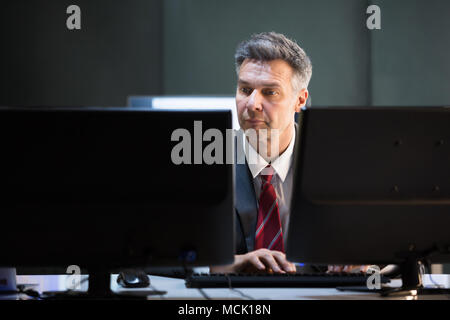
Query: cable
point(427, 265)
point(236, 290)
point(160, 293)
point(203, 293)
point(29, 292)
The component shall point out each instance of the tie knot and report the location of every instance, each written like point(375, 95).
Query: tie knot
point(267, 174)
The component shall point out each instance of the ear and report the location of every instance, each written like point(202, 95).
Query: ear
point(301, 99)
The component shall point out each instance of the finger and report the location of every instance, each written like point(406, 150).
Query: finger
point(339, 269)
point(256, 262)
point(364, 268)
point(248, 262)
point(285, 265)
point(334, 269)
point(270, 262)
point(291, 267)
point(347, 268)
point(354, 269)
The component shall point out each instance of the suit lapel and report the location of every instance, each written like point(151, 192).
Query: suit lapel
point(245, 202)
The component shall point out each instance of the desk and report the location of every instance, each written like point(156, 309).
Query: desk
point(176, 289)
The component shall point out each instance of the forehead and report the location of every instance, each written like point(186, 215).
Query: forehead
point(259, 73)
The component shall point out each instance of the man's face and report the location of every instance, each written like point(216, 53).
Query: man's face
point(265, 98)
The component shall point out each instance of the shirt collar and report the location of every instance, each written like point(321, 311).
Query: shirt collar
point(281, 165)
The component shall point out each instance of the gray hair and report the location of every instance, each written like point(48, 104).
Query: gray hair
point(269, 46)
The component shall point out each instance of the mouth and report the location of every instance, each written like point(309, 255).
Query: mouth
point(254, 121)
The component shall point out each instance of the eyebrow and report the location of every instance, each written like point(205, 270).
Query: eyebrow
point(264, 84)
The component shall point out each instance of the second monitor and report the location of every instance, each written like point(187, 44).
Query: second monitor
point(372, 186)
point(99, 188)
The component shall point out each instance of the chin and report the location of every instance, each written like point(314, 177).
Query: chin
point(255, 126)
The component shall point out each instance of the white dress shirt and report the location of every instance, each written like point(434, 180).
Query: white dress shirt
point(281, 180)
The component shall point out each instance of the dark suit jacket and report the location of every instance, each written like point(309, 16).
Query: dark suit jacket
point(245, 205)
point(246, 211)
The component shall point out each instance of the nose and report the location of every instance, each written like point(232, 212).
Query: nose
point(254, 102)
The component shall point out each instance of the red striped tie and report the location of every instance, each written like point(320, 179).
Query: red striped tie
point(268, 225)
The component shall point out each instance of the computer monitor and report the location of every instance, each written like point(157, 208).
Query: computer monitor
point(99, 188)
point(372, 186)
point(188, 102)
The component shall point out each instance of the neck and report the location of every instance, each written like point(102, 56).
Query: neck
point(272, 146)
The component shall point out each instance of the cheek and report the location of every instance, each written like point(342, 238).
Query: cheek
point(278, 115)
point(240, 107)
point(272, 114)
point(285, 117)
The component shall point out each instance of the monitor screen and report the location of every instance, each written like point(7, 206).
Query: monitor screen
point(99, 187)
point(371, 185)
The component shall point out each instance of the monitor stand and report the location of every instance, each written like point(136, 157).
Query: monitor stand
point(100, 289)
point(412, 285)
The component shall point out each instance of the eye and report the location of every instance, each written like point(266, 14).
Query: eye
point(269, 92)
point(246, 90)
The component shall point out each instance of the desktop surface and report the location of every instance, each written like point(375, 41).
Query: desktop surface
point(176, 289)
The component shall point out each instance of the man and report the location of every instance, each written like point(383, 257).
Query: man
point(273, 75)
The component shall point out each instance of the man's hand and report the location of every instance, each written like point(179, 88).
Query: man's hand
point(349, 269)
point(258, 261)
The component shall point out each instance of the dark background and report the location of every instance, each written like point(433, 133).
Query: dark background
point(117, 52)
point(186, 47)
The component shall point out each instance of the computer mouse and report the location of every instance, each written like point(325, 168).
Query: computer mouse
point(133, 278)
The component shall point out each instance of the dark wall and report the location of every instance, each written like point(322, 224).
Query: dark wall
point(179, 47)
point(411, 64)
point(404, 63)
point(117, 52)
point(201, 36)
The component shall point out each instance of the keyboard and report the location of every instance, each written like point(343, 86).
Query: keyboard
point(297, 280)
